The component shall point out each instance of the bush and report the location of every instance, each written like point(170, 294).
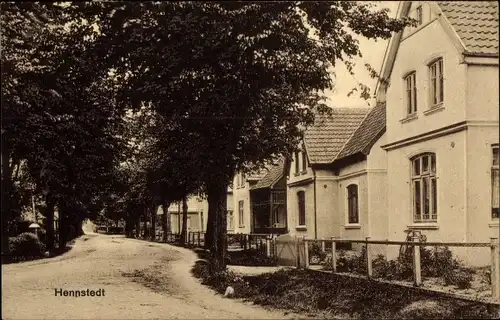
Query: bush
point(315, 251)
point(251, 257)
point(26, 245)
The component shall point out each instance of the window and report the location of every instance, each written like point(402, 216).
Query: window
point(411, 93)
point(304, 161)
point(240, 213)
point(297, 167)
point(424, 188)
point(419, 15)
point(202, 222)
point(301, 196)
point(436, 82)
point(352, 204)
point(495, 183)
point(243, 180)
point(230, 220)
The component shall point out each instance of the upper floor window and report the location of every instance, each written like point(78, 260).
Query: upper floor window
point(304, 161)
point(301, 198)
point(243, 180)
point(436, 82)
point(420, 18)
point(240, 213)
point(495, 183)
point(297, 164)
point(424, 188)
point(352, 204)
point(230, 220)
point(411, 93)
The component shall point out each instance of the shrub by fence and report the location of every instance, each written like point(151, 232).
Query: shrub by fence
point(431, 265)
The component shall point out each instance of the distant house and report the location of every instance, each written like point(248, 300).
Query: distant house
point(313, 192)
point(197, 214)
point(268, 202)
point(242, 183)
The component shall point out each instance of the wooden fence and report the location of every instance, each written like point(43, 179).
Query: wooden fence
point(414, 246)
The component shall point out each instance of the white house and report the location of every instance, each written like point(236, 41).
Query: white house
point(442, 127)
point(427, 156)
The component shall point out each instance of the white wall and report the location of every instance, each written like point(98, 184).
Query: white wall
point(415, 52)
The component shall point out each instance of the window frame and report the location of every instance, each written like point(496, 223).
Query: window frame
point(410, 81)
point(495, 168)
point(424, 180)
point(420, 15)
point(301, 201)
point(436, 82)
point(297, 164)
point(241, 214)
point(230, 220)
point(304, 161)
point(352, 197)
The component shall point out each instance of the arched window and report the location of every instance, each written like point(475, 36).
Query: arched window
point(424, 187)
point(301, 197)
point(352, 204)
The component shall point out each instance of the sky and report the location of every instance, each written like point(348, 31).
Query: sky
point(373, 53)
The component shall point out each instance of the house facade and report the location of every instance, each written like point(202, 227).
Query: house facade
point(442, 127)
point(312, 181)
point(426, 156)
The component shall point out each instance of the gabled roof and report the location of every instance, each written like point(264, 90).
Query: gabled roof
point(274, 174)
point(475, 22)
point(363, 138)
point(326, 137)
point(256, 176)
point(473, 26)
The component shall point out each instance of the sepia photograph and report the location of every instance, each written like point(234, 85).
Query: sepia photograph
point(250, 160)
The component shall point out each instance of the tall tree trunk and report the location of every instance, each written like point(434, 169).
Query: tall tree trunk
point(7, 198)
point(209, 233)
point(63, 226)
point(184, 220)
point(49, 218)
point(129, 226)
point(153, 222)
point(138, 227)
point(217, 193)
point(165, 219)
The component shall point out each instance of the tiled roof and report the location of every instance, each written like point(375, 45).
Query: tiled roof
point(366, 134)
point(254, 176)
point(326, 137)
point(274, 174)
point(476, 23)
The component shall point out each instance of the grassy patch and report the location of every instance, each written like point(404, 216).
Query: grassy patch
point(328, 295)
point(152, 278)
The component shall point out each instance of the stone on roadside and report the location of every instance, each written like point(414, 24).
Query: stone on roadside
point(425, 309)
point(229, 291)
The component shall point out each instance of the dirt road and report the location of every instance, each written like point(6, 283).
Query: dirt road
point(124, 269)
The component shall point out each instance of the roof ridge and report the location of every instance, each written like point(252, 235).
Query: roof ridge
point(352, 134)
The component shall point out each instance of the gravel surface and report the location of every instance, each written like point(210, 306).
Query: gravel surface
point(142, 280)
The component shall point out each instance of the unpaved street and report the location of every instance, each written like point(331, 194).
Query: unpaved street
point(116, 264)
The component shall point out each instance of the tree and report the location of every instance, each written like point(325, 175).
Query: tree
point(241, 78)
point(59, 115)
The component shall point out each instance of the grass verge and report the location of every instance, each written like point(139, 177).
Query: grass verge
point(324, 295)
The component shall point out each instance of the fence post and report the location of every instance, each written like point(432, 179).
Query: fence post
point(369, 268)
point(297, 250)
point(268, 246)
point(199, 239)
point(323, 245)
point(495, 269)
point(417, 275)
point(334, 255)
point(306, 253)
point(275, 249)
